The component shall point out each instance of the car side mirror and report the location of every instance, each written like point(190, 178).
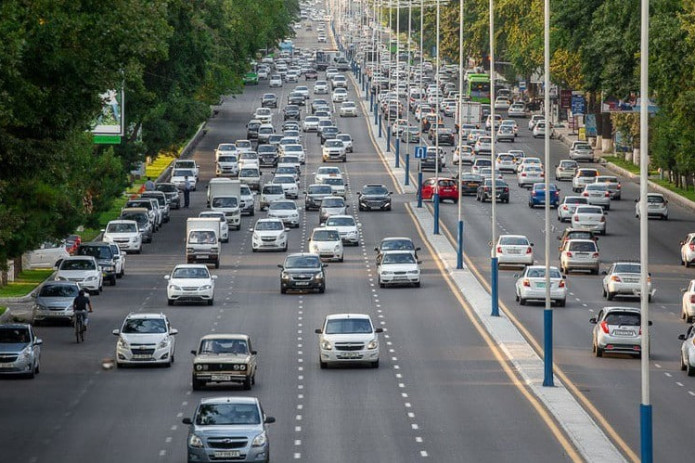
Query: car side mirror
point(214, 277)
point(166, 277)
point(637, 200)
point(605, 272)
point(417, 249)
point(194, 352)
point(57, 264)
point(269, 420)
point(681, 337)
point(649, 323)
point(187, 421)
point(116, 332)
point(681, 243)
point(254, 352)
point(516, 275)
point(593, 321)
point(378, 330)
point(173, 331)
point(280, 266)
point(251, 230)
point(318, 331)
point(38, 341)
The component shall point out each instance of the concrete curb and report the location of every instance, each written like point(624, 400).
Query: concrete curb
point(6, 317)
point(26, 298)
point(185, 152)
point(586, 436)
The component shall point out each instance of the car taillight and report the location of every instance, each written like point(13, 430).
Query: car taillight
point(594, 255)
point(499, 249)
point(608, 194)
point(542, 175)
point(523, 174)
point(692, 246)
point(529, 250)
point(618, 187)
point(527, 283)
point(506, 189)
point(604, 327)
point(569, 253)
point(616, 278)
point(575, 218)
point(565, 208)
point(561, 284)
point(692, 298)
point(603, 219)
point(585, 194)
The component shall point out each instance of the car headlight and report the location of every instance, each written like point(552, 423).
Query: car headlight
point(260, 440)
point(314, 248)
point(413, 272)
point(122, 344)
point(385, 273)
point(195, 441)
point(60, 278)
point(326, 345)
point(174, 288)
point(285, 276)
point(205, 287)
point(318, 276)
point(40, 307)
point(163, 343)
point(92, 278)
point(336, 248)
point(373, 344)
point(26, 354)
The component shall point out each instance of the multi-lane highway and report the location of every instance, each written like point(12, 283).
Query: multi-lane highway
point(440, 393)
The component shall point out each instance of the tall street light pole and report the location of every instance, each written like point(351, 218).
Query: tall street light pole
point(548, 311)
point(495, 310)
point(646, 442)
point(459, 235)
point(435, 196)
point(422, 58)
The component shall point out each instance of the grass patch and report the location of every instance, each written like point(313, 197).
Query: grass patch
point(105, 217)
point(158, 166)
point(688, 194)
point(25, 283)
point(2, 310)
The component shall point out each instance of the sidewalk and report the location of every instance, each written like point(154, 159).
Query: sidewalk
point(586, 436)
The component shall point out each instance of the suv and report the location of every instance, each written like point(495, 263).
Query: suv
point(617, 329)
point(303, 271)
point(172, 193)
point(623, 279)
point(145, 338)
point(348, 338)
point(314, 195)
point(20, 350)
point(228, 429)
point(291, 111)
point(162, 200)
point(374, 197)
point(224, 358)
point(104, 255)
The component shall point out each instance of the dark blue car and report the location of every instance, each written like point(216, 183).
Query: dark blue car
point(537, 195)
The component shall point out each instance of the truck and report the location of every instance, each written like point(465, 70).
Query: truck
point(471, 113)
point(224, 194)
point(203, 240)
point(326, 58)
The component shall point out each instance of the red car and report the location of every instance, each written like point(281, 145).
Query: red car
point(72, 242)
point(448, 189)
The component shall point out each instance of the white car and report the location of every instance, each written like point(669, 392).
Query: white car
point(528, 175)
point(227, 165)
point(302, 90)
point(398, 268)
point(187, 164)
point(285, 210)
point(657, 206)
point(580, 255)
point(338, 186)
point(688, 351)
point(247, 159)
point(483, 145)
point(590, 218)
point(342, 333)
point(326, 242)
point(243, 146)
point(310, 124)
point(265, 115)
point(348, 109)
point(288, 184)
point(623, 279)
point(321, 39)
point(347, 141)
point(525, 161)
point(514, 250)
point(531, 285)
point(464, 155)
point(534, 119)
point(47, 255)
point(190, 283)
point(582, 178)
point(275, 80)
point(269, 234)
point(539, 129)
point(125, 234)
point(581, 151)
point(505, 162)
point(224, 226)
point(326, 172)
point(83, 270)
point(568, 206)
point(248, 200)
point(295, 149)
point(502, 103)
point(688, 303)
point(251, 176)
point(119, 260)
point(178, 178)
point(225, 148)
point(347, 228)
point(269, 193)
point(566, 170)
point(598, 195)
point(517, 110)
point(320, 87)
point(333, 150)
point(145, 338)
point(339, 95)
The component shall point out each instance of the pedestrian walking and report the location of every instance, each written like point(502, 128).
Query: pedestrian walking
point(186, 191)
point(149, 184)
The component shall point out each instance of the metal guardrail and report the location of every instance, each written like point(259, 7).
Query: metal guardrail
point(185, 153)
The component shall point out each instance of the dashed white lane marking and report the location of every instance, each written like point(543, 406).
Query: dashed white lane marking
point(668, 374)
point(691, 393)
point(414, 426)
point(679, 384)
point(423, 453)
point(162, 453)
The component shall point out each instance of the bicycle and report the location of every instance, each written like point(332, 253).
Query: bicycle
point(79, 327)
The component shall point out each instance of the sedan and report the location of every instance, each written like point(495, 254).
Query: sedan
point(582, 178)
point(529, 175)
point(484, 192)
point(347, 228)
point(54, 301)
point(514, 250)
point(470, 184)
point(569, 205)
point(688, 351)
point(537, 195)
point(269, 100)
point(346, 138)
point(83, 270)
point(275, 80)
point(505, 133)
point(228, 429)
point(334, 150)
point(617, 329)
point(590, 218)
point(20, 350)
point(623, 279)
point(332, 205)
point(566, 170)
point(145, 338)
point(190, 282)
point(579, 255)
point(688, 303)
point(310, 124)
point(285, 210)
point(269, 234)
point(348, 109)
point(398, 268)
point(598, 195)
point(224, 359)
point(531, 285)
point(339, 95)
point(517, 110)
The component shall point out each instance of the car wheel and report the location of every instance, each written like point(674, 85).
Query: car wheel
point(417, 285)
point(247, 383)
point(689, 370)
point(649, 298)
point(522, 301)
point(561, 302)
point(211, 301)
point(198, 384)
point(113, 280)
point(322, 289)
point(170, 301)
point(323, 365)
point(609, 295)
point(598, 352)
point(283, 291)
point(252, 213)
point(683, 365)
point(375, 364)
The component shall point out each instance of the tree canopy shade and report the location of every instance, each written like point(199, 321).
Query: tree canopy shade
point(174, 58)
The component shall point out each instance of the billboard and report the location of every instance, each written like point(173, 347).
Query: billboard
point(109, 126)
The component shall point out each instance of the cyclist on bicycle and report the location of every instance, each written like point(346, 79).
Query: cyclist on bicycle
point(80, 305)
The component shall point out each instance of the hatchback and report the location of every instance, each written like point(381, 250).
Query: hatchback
point(569, 205)
point(688, 351)
point(447, 189)
point(566, 170)
point(531, 285)
point(579, 255)
point(537, 196)
point(54, 301)
point(326, 242)
point(145, 338)
point(20, 350)
point(657, 206)
point(617, 329)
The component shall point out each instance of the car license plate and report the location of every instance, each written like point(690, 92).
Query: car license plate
point(202, 256)
point(302, 283)
point(540, 284)
point(513, 251)
point(141, 356)
point(582, 254)
point(5, 365)
point(350, 355)
point(623, 333)
point(227, 454)
point(220, 378)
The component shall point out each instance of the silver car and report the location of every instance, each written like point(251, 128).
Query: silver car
point(598, 195)
point(623, 279)
point(582, 178)
point(566, 170)
point(582, 151)
point(332, 205)
point(657, 206)
point(228, 429)
point(569, 205)
point(285, 210)
point(688, 351)
point(20, 350)
point(614, 185)
point(54, 301)
point(579, 255)
point(617, 329)
point(590, 218)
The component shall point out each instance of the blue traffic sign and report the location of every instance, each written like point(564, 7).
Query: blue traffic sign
point(420, 152)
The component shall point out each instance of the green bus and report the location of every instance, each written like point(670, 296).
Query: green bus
point(478, 88)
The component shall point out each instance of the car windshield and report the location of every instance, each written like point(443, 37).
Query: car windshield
point(398, 258)
point(190, 272)
point(375, 190)
point(223, 346)
point(575, 200)
point(140, 218)
point(249, 173)
point(483, 162)
point(121, 228)
point(269, 225)
point(227, 414)
point(202, 237)
point(340, 222)
point(597, 187)
point(182, 173)
point(348, 326)
point(185, 164)
point(622, 319)
point(296, 148)
point(655, 199)
point(283, 179)
point(59, 291)
point(325, 235)
point(626, 268)
point(14, 336)
point(227, 159)
point(272, 190)
point(568, 165)
point(303, 262)
point(320, 190)
point(283, 206)
point(334, 144)
point(144, 326)
point(580, 235)
point(99, 252)
point(333, 202)
point(539, 272)
point(583, 246)
point(166, 187)
point(224, 202)
point(334, 181)
point(213, 215)
point(513, 240)
point(587, 173)
point(396, 245)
